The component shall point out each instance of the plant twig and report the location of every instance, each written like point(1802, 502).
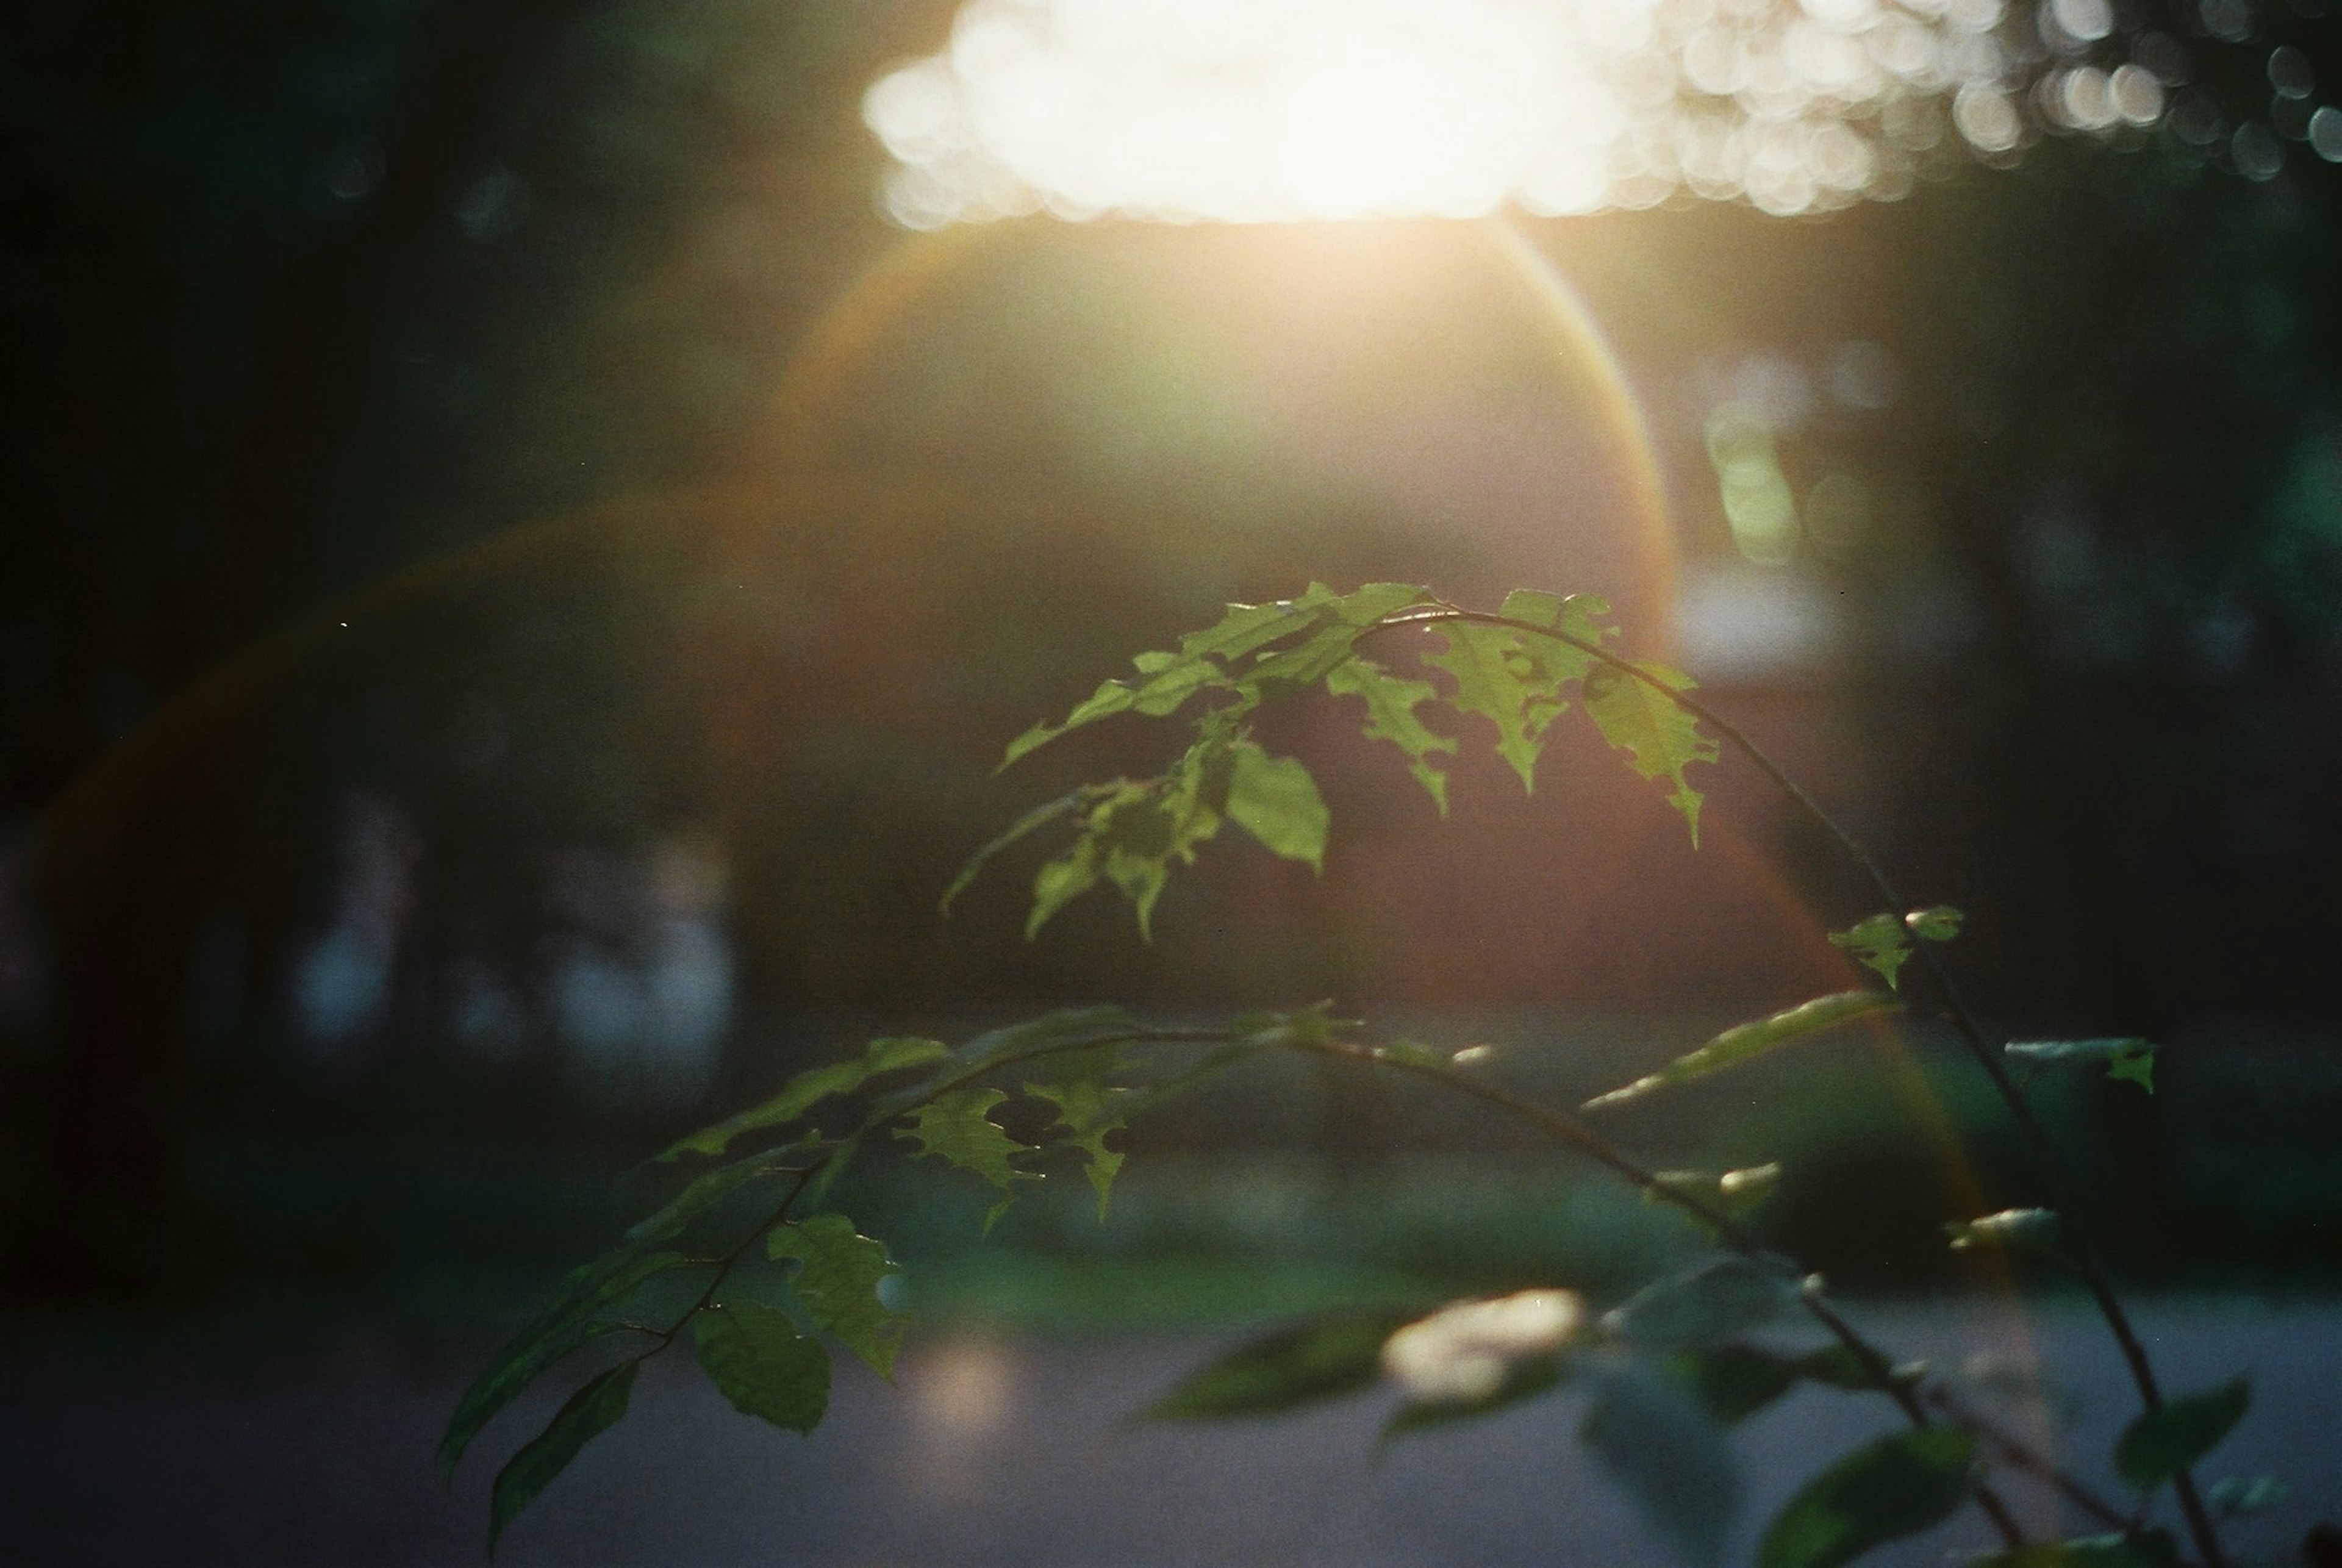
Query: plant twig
point(1962, 1020)
point(1569, 1129)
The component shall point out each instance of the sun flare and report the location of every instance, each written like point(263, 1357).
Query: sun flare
point(1295, 110)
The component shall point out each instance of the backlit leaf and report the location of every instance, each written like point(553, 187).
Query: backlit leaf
point(1882, 942)
point(1940, 924)
point(1247, 627)
point(1390, 703)
point(1659, 737)
point(2127, 1057)
point(2162, 1443)
point(838, 1283)
point(1733, 1192)
point(957, 1127)
point(1757, 1039)
point(802, 1093)
point(1087, 1111)
point(592, 1411)
point(2017, 1230)
point(1337, 622)
point(1060, 882)
point(1495, 680)
point(758, 1360)
point(2135, 1065)
point(1111, 697)
point(1883, 1491)
point(1275, 800)
point(1362, 607)
point(1669, 1453)
point(1292, 1367)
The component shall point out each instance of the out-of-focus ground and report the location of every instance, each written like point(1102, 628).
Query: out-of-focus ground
point(1012, 1450)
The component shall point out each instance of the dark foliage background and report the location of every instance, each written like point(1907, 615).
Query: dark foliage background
point(403, 549)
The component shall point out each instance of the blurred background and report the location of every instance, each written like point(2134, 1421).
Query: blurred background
point(529, 525)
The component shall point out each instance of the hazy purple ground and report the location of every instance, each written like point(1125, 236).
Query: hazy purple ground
point(997, 1452)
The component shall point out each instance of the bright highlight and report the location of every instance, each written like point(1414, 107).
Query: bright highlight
point(1294, 110)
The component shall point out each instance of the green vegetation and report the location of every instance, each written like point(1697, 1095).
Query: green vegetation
point(1669, 1369)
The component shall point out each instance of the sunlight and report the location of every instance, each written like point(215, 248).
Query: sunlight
point(1295, 110)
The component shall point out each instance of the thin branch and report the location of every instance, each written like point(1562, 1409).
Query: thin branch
point(1962, 1020)
point(1569, 1129)
point(2020, 1456)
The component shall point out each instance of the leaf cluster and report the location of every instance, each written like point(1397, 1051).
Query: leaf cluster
point(1516, 670)
point(1669, 1371)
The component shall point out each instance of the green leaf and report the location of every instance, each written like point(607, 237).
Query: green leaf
point(1060, 882)
point(2162, 1443)
point(1170, 681)
point(1755, 1039)
point(1671, 1457)
point(1659, 737)
point(2127, 1057)
point(1883, 1491)
point(1281, 672)
point(1882, 942)
point(1940, 924)
point(1033, 820)
point(1390, 703)
point(2134, 1065)
point(1735, 1193)
point(1292, 1367)
point(1134, 831)
point(2016, 1229)
point(957, 1127)
point(1248, 627)
point(802, 1093)
point(1339, 621)
point(1710, 1301)
point(1496, 680)
point(838, 1283)
point(558, 1331)
point(1733, 1381)
point(1089, 1110)
point(607, 1281)
point(1111, 697)
point(758, 1360)
point(592, 1411)
point(1364, 606)
point(2151, 1549)
point(1275, 800)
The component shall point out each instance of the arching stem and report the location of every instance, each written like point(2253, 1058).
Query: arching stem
point(1956, 1011)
